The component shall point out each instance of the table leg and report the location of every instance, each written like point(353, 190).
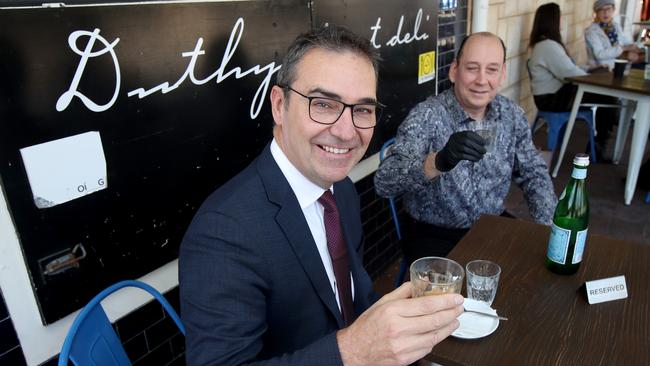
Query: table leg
point(639, 138)
point(624, 122)
point(569, 128)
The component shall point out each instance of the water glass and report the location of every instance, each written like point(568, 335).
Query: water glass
point(436, 276)
point(482, 280)
point(488, 133)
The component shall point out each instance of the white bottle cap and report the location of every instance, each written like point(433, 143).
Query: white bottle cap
point(581, 160)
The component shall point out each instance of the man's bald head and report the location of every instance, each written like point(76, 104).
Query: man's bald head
point(480, 34)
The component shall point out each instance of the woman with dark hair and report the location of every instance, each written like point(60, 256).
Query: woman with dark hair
point(549, 65)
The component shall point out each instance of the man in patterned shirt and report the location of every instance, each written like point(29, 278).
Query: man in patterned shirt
point(440, 164)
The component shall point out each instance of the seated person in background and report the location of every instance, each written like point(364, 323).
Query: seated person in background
point(606, 40)
point(439, 164)
point(550, 63)
point(258, 284)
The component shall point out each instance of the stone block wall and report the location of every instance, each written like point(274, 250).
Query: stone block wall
point(512, 20)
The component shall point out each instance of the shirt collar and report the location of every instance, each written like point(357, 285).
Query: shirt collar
point(457, 113)
point(305, 190)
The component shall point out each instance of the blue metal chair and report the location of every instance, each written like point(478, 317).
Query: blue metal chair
point(557, 121)
point(91, 339)
point(385, 151)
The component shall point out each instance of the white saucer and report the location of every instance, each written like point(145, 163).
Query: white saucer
point(473, 325)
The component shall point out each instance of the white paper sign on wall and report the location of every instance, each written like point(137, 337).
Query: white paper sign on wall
point(65, 169)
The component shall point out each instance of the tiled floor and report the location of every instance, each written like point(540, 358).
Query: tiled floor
point(608, 213)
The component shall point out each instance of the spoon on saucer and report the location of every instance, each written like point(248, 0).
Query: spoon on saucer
point(486, 314)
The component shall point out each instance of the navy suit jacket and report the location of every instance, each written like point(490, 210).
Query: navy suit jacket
point(252, 285)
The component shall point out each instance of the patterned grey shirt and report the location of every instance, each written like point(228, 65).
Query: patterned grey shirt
point(457, 198)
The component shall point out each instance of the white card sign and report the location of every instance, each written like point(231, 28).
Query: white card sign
point(65, 169)
point(607, 289)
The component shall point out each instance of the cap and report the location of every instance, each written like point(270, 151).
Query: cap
point(581, 160)
point(601, 3)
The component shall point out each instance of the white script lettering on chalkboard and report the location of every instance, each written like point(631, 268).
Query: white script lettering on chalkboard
point(221, 74)
point(398, 38)
point(65, 98)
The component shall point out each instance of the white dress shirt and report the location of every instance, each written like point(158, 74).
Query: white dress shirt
point(308, 194)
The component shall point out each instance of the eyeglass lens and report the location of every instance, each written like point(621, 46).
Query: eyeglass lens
point(328, 111)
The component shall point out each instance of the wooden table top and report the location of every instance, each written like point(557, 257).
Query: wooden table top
point(550, 321)
point(633, 82)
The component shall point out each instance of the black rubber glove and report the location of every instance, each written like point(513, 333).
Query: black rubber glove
point(464, 145)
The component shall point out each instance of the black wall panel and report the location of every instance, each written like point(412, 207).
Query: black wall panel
point(401, 31)
point(165, 152)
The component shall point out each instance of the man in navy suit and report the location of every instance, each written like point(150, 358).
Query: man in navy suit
point(257, 283)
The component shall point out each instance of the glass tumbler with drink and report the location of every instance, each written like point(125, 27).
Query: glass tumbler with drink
point(436, 276)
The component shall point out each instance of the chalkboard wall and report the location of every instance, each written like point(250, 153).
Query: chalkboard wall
point(178, 95)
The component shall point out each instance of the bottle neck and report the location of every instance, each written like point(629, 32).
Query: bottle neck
point(579, 172)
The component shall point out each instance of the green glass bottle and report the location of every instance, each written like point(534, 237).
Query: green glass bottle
point(570, 221)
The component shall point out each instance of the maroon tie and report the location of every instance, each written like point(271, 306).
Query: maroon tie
point(339, 254)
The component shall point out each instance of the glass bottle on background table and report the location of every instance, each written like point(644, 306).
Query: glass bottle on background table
point(570, 221)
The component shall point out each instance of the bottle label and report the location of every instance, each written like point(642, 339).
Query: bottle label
point(558, 244)
point(581, 238)
point(579, 173)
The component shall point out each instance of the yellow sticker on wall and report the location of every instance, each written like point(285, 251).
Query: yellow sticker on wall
point(427, 67)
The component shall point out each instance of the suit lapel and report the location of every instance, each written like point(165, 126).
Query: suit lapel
point(291, 220)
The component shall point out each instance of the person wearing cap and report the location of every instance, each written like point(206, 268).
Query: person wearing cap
point(606, 40)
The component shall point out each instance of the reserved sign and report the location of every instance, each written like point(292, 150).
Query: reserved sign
point(607, 289)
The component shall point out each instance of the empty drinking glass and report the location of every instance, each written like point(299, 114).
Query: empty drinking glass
point(488, 133)
point(482, 280)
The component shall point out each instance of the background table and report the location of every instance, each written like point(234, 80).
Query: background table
point(550, 321)
point(632, 87)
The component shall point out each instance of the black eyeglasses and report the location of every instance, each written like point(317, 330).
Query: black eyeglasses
point(327, 111)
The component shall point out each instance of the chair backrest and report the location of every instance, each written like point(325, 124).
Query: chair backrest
point(383, 153)
point(556, 122)
point(91, 339)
